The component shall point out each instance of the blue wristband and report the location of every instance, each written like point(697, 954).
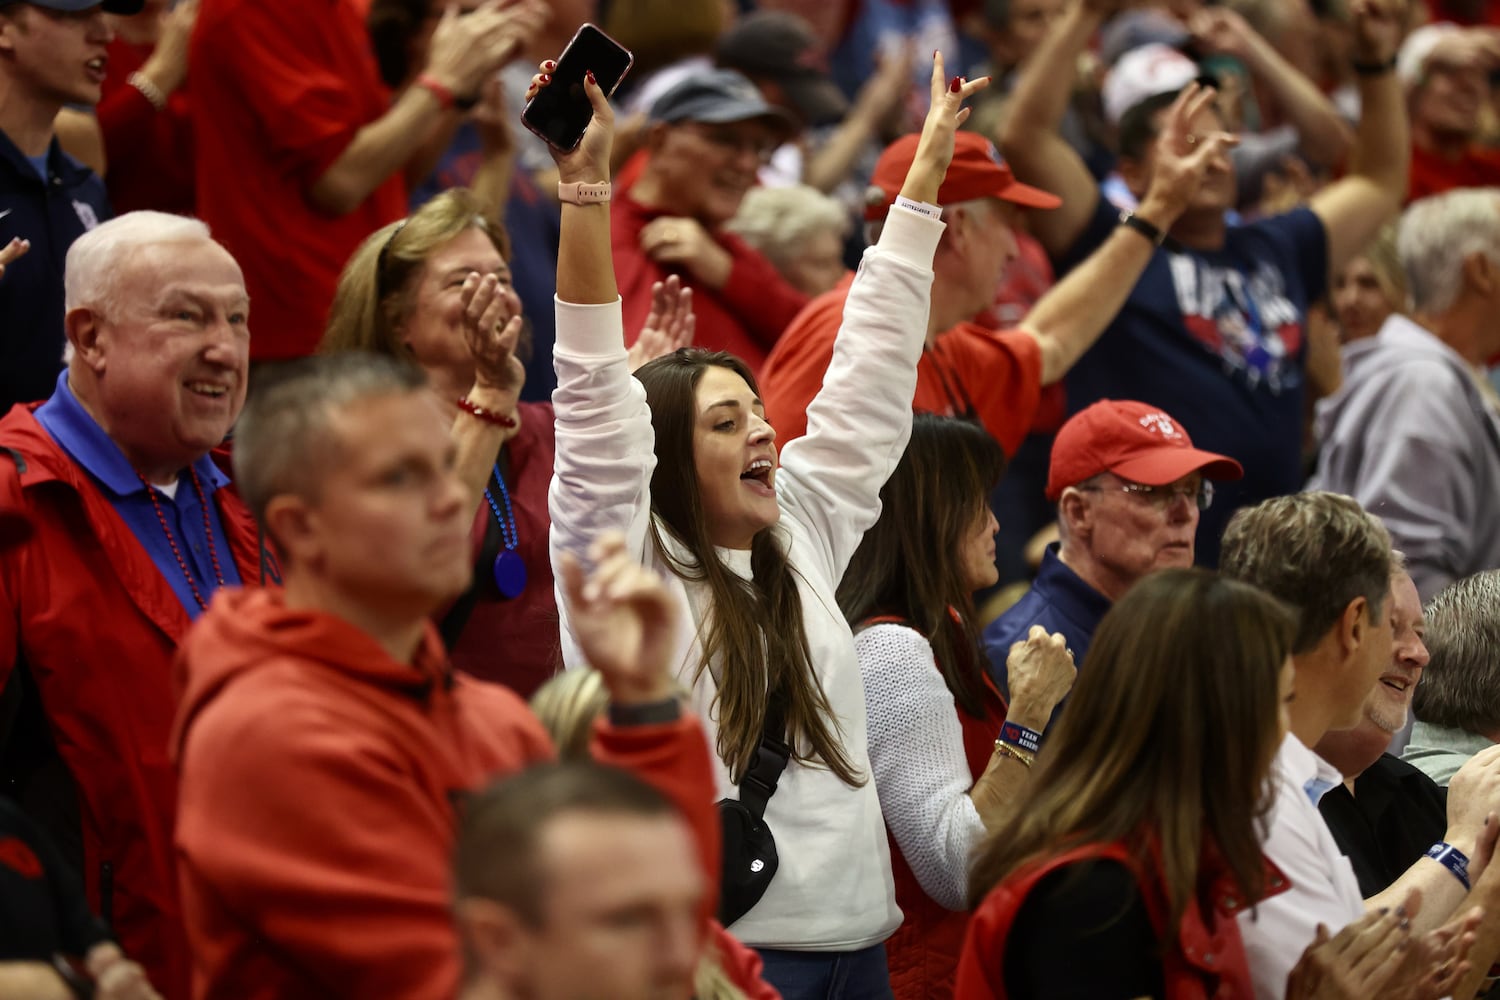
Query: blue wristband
point(1452, 859)
point(1019, 736)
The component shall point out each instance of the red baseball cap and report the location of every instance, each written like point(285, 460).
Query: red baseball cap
point(977, 171)
point(1133, 440)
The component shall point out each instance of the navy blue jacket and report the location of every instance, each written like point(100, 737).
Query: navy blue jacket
point(51, 214)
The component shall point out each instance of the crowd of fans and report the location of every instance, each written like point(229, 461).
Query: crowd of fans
point(928, 498)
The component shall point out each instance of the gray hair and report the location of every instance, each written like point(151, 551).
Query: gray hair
point(282, 438)
point(92, 271)
point(1437, 234)
point(778, 221)
point(1460, 688)
point(1317, 552)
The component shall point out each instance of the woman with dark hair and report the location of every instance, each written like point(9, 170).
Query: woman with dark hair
point(1134, 845)
point(402, 294)
point(936, 720)
point(682, 459)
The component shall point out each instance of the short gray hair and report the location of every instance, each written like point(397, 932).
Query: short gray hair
point(778, 221)
point(1460, 688)
point(91, 273)
point(1437, 234)
point(1317, 552)
point(281, 440)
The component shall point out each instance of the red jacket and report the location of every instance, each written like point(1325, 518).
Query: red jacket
point(1207, 959)
point(94, 626)
point(317, 807)
point(744, 317)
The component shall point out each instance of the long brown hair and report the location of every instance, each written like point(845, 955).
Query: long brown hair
point(754, 631)
point(1168, 738)
point(908, 564)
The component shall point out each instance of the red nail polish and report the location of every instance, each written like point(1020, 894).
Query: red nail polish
point(590, 75)
point(934, 53)
point(546, 77)
point(956, 85)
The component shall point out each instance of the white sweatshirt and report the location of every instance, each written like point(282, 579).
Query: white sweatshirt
point(833, 890)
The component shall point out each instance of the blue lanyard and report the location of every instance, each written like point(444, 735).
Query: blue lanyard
point(507, 520)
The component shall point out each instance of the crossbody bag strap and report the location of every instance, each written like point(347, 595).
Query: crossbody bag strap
point(771, 757)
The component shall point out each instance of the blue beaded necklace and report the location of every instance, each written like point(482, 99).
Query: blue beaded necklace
point(509, 569)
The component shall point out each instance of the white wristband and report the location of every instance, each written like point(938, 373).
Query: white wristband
point(920, 207)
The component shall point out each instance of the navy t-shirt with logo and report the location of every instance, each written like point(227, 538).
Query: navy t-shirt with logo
point(1217, 340)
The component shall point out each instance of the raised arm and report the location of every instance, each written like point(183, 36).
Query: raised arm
point(1074, 312)
point(1030, 139)
point(1354, 208)
point(859, 423)
point(605, 444)
point(1324, 136)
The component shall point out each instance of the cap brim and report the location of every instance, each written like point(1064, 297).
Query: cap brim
point(1167, 465)
point(817, 98)
point(1030, 197)
point(726, 114)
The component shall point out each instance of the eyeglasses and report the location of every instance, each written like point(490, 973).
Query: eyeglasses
point(1162, 497)
point(735, 142)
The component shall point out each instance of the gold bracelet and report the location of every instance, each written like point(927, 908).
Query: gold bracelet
point(1015, 753)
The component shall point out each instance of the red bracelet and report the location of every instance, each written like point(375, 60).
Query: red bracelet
point(488, 416)
point(431, 83)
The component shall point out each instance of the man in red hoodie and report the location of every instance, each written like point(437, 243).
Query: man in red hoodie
point(325, 745)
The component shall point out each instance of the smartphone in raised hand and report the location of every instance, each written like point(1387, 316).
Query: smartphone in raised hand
point(560, 111)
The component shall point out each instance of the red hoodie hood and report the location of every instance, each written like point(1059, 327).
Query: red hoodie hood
point(246, 629)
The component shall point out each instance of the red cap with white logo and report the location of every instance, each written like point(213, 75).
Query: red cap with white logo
point(1136, 441)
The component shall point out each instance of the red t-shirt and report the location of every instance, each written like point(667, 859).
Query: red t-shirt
point(280, 87)
point(745, 317)
point(1432, 174)
point(995, 377)
point(150, 152)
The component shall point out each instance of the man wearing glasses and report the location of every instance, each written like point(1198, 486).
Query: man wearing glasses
point(709, 136)
point(1129, 487)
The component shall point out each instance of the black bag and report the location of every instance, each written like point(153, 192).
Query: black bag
point(749, 859)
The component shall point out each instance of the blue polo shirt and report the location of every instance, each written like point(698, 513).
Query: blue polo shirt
point(76, 432)
point(51, 208)
point(1059, 601)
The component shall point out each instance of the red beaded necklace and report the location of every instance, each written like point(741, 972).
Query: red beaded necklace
point(208, 531)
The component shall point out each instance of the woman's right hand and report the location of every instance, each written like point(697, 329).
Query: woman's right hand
point(1039, 673)
point(1355, 964)
point(588, 162)
point(935, 147)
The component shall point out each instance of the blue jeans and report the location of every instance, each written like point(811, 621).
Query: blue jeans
point(828, 975)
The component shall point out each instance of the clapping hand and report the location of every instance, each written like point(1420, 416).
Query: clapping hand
point(492, 326)
point(624, 619)
point(669, 325)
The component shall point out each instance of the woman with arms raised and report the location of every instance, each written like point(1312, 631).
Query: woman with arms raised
point(755, 551)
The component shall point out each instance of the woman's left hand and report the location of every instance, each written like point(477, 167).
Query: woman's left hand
point(492, 326)
point(935, 147)
point(669, 325)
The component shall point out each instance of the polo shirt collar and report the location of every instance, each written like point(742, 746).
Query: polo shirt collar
point(58, 162)
point(1067, 591)
point(76, 431)
point(1314, 775)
